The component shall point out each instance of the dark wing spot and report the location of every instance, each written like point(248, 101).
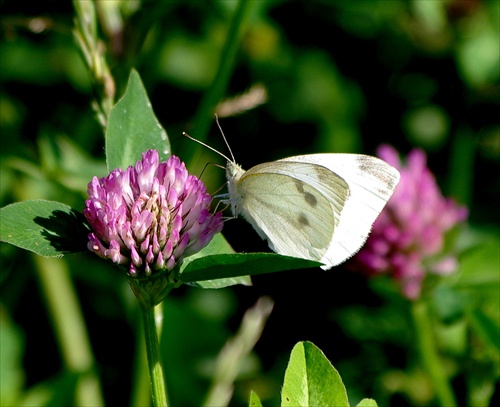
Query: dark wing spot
point(302, 220)
point(308, 197)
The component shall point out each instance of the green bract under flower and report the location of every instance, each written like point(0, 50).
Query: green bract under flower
point(148, 217)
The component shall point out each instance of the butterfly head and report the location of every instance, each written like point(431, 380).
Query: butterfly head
point(233, 174)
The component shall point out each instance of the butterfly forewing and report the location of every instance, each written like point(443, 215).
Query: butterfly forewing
point(296, 206)
point(371, 183)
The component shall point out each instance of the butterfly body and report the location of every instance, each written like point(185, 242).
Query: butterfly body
point(319, 207)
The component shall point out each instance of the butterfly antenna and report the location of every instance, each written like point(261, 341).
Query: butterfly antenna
point(207, 146)
point(207, 164)
point(224, 137)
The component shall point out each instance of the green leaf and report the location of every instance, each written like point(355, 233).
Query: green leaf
point(311, 380)
point(367, 403)
point(133, 128)
point(240, 264)
point(218, 245)
point(487, 328)
point(47, 228)
point(254, 400)
point(223, 282)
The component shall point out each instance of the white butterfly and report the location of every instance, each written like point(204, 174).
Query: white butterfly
point(318, 207)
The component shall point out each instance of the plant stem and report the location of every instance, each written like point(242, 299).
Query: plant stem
point(140, 394)
point(89, 44)
point(69, 328)
point(429, 355)
point(158, 389)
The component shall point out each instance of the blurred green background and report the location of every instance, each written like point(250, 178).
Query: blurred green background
point(340, 76)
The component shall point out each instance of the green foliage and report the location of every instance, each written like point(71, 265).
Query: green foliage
point(254, 400)
point(218, 245)
point(226, 266)
point(311, 380)
point(46, 228)
point(133, 128)
point(367, 403)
